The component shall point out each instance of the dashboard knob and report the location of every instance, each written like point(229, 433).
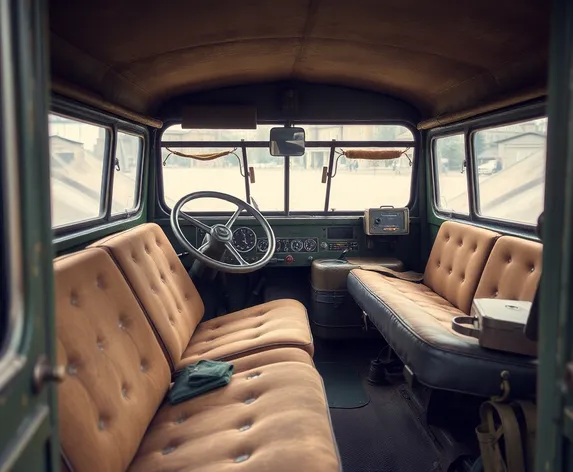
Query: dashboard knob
point(289, 259)
point(323, 245)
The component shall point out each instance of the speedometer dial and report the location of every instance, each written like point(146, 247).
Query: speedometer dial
point(310, 245)
point(244, 239)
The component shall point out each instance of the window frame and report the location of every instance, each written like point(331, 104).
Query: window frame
point(414, 145)
point(436, 181)
point(75, 111)
point(520, 113)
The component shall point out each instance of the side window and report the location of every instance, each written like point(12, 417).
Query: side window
point(128, 152)
point(450, 180)
point(77, 166)
point(510, 164)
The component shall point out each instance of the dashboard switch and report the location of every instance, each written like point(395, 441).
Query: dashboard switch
point(289, 259)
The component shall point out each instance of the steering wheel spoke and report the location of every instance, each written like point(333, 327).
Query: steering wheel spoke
point(234, 217)
point(195, 222)
point(236, 254)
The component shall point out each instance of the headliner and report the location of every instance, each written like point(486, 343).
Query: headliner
point(442, 56)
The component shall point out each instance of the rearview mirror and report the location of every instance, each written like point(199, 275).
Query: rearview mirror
point(287, 142)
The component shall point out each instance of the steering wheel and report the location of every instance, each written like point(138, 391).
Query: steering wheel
point(220, 236)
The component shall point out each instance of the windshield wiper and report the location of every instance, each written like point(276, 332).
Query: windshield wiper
point(254, 203)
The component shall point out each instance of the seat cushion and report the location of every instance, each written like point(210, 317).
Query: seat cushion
point(274, 324)
point(416, 322)
point(160, 282)
point(512, 271)
point(457, 260)
point(273, 417)
point(117, 374)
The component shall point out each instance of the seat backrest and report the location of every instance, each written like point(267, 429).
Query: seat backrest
point(512, 271)
point(456, 262)
point(117, 374)
point(152, 268)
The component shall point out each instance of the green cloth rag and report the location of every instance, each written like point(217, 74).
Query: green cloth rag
point(199, 378)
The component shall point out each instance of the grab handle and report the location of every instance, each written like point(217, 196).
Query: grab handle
point(465, 325)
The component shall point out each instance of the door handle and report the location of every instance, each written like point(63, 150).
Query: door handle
point(45, 372)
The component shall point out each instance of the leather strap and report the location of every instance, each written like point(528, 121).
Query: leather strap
point(409, 275)
point(498, 421)
point(530, 422)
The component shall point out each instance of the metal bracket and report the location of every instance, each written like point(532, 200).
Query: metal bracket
point(45, 372)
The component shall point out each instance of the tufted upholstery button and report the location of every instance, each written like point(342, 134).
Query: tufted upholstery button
point(532, 269)
point(253, 375)
point(146, 248)
point(143, 366)
point(508, 259)
point(99, 282)
point(74, 299)
point(71, 369)
point(248, 401)
point(171, 321)
point(475, 248)
point(172, 268)
point(162, 277)
point(186, 296)
point(124, 392)
point(439, 264)
point(450, 270)
point(134, 257)
point(180, 419)
point(100, 344)
point(121, 324)
point(496, 293)
point(153, 289)
point(167, 450)
point(245, 427)
point(460, 243)
point(101, 424)
point(158, 242)
point(242, 458)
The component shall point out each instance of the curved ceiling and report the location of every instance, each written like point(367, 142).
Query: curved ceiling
point(442, 56)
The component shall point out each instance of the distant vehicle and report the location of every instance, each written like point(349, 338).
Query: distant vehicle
point(488, 167)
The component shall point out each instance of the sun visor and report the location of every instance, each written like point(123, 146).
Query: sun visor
point(373, 155)
point(219, 117)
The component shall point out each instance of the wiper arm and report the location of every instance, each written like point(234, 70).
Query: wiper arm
point(254, 203)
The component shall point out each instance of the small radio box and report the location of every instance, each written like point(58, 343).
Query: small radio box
point(386, 221)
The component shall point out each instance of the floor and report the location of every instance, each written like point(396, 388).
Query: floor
point(389, 432)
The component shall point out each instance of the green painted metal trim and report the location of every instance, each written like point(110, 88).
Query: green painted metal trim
point(554, 452)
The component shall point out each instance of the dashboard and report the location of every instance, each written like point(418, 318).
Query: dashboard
point(299, 240)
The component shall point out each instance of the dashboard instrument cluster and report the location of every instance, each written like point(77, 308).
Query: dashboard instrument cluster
point(285, 245)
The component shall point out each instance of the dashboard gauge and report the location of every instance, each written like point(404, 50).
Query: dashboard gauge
point(263, 245)
point(296, 245)
point(310, 245)
point(244, 239)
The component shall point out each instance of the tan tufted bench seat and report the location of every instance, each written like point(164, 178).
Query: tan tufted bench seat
point(272, 416)
point(416, 318)
point(161, 283)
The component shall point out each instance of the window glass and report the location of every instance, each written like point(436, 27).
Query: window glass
point(77, 156)
point(510, 166)
point(307, 192)
point(126, 175)
point(183, 175)
point(373, 183)
point(451, 181)
point(359, 184)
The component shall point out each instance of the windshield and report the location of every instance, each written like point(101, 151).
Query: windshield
point(238, 162)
